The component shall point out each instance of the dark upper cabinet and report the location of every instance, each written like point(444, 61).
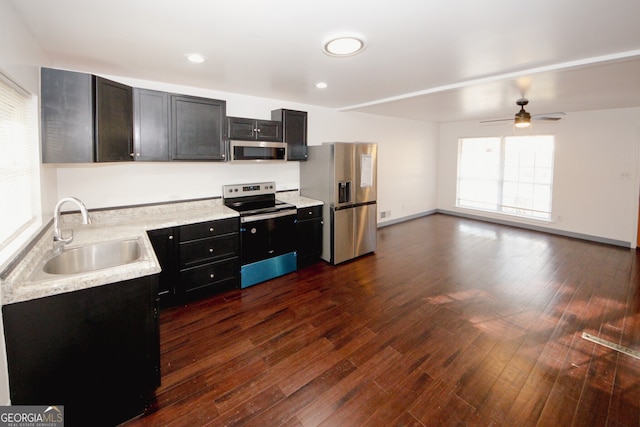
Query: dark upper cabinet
point(197, 128)
point(113, 121)
point(253, 129)
point(150, 125)
point(294, 132)
point(84, 118)
point(67, 116)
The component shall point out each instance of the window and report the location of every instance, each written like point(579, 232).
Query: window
point(511, 175)
point(19, 167)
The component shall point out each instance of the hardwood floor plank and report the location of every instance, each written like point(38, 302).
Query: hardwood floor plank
point(337, 396)
point(399, 397)
point(251, 409)
point(286, 409)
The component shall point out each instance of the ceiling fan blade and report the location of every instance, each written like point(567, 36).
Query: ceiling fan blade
point(510, 119)
point(556, 113)
point(546, 118)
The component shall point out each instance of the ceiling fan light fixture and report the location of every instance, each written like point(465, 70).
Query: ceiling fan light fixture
point(343, 46)
point(522, 118)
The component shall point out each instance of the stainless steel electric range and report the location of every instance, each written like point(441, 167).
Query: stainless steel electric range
point(267, 231)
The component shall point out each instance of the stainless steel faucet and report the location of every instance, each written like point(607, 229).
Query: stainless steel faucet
point(58, 240)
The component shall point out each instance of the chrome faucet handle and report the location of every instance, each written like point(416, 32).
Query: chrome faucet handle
point(57, 237)
point(59, 241)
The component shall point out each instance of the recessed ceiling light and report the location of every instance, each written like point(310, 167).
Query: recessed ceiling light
point(343, 46)
point(195, 58)
point(321, 85)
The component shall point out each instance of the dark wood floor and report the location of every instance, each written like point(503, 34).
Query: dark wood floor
point(451, 322)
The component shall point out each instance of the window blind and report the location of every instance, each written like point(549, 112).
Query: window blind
point(19, 162)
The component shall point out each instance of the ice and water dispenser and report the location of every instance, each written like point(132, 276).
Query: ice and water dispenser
point(344, 192)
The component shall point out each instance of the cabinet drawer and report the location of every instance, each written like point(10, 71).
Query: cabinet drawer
point(310, 212)
point(206, 229)
point(210, 274)
point(206, 250)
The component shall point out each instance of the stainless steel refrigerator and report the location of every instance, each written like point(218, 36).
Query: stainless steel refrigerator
point(344, 176)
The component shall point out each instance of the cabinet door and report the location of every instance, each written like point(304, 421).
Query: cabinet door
point(294, 132)
point(309, 240)
point(269, 130)
point(241, 128)
point(113, 121)
point(151, 125)
point(197, 128)
point(67, 116)
point(163, 243)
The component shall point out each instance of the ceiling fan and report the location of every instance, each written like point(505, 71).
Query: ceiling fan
point(522, 118)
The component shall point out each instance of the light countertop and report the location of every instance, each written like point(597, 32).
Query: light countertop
point(115, 224)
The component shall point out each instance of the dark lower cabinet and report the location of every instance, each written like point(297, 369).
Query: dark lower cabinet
point(96, 351)
point(163, 242)
point(209, 256)
point(197, 259)
point(309, 235)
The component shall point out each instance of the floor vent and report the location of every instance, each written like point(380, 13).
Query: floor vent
point(613, 346)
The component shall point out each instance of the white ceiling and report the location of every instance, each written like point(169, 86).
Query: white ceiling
point(433, 60)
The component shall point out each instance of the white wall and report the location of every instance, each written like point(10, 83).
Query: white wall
point(406, 170)
point(597, 172)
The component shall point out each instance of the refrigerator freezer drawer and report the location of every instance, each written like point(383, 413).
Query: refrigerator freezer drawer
point(365, 229)
point(353, 232)
point(342, 248)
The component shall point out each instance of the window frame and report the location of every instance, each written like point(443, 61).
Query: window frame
point(501, 208)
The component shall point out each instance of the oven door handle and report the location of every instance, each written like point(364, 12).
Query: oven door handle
point(271, 215)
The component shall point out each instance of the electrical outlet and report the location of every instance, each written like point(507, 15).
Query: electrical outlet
point(385, 214)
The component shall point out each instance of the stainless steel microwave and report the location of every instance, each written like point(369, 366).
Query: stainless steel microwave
point(257, 151)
